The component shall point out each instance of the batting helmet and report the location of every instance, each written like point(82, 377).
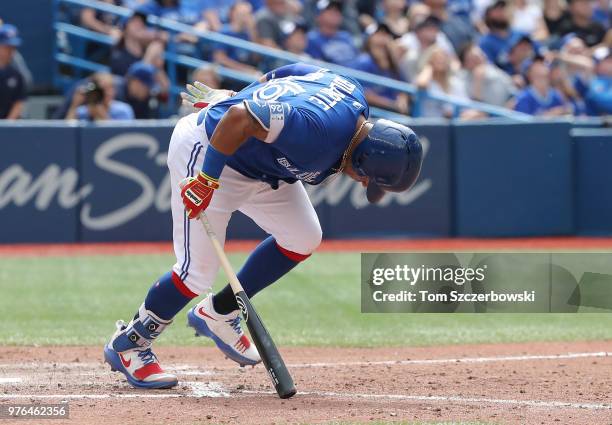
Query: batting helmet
point(391, 156)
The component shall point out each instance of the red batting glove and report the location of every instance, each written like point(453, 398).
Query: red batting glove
point(197, 193)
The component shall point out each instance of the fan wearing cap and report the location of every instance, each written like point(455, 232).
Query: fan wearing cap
point(327, 41)
point(12, 85)
point(520, 48)
point(539, 98)
point(140, 86)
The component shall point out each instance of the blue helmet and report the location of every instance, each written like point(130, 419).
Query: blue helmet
point(391, 156)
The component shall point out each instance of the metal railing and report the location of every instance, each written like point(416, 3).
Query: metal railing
point(173, 59)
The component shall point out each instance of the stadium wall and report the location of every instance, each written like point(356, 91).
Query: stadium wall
point(109, 182)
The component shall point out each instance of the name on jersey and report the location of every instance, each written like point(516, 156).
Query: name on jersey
point(306, 176)
point(328, 97)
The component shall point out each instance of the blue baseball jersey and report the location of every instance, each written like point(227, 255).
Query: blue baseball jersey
point(310, 114)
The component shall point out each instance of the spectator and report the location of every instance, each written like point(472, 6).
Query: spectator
point(269, 22)
point(217, 13)
point(380, 59)
point(295, 40)
point(496, 41)
point(560, 81)
point(539, 98)
point(395, 16)
point(155, 56)
point(484, 82)
point(241, 26)
point(350, 16)
point(206, 74)
point(102, 22)
point(327, 42)
point(552, 13)
point(12, 85)
point(599, 95)
point(578, 19)
point(577, 61)
point(458, 30)
point(140, 88)
point(131, 46)
point(520, 48)
point(426, 34)
point(96, 101)
point(436, 77)
point(527, 19)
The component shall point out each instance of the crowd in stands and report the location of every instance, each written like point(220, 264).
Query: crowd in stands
point(540, 57)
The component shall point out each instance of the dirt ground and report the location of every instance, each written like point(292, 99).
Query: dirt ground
point(537, 383)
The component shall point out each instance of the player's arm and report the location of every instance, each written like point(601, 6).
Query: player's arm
point(235, 128)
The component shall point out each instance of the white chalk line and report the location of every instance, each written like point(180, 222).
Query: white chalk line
point(530, 403)
point(9, 380)
point(215, 390)
point(195, 370)
point(567, 356)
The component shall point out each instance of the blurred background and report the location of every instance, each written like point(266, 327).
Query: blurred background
point(512, 100)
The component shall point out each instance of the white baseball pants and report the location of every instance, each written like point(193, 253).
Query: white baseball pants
point(286, 213)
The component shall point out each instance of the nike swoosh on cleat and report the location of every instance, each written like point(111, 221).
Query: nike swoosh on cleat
point(203, 313)
point(126, 363)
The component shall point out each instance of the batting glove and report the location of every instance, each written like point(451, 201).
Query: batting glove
point(200, 96)
point(197, 192)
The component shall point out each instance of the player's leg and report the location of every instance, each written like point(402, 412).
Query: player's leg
point(129, 350)
point(224, 330)
point(289, 217)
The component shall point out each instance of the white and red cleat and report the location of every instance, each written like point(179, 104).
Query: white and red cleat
point(224, 330)
point(140, 366)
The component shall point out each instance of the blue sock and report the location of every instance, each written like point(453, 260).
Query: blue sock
point(266, 264)
point(164, 298)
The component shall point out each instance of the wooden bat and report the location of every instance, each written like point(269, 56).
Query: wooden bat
point(272, 360)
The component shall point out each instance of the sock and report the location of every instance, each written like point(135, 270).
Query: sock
point(266, 264)
point(168, 296)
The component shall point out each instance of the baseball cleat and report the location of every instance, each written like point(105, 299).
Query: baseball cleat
point(224, 330)
point(140, 366)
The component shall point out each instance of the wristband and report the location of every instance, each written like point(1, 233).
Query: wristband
point(214, 161)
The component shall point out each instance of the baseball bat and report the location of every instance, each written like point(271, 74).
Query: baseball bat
point(271, 358)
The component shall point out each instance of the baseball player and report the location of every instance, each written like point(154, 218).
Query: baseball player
point(252, 151)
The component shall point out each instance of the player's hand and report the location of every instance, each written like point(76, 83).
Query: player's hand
point(200, 96)
point(196, 193)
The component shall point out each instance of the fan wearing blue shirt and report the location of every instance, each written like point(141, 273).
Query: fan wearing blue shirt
point(327, 42)
point(495, 43)
point(539, 98)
